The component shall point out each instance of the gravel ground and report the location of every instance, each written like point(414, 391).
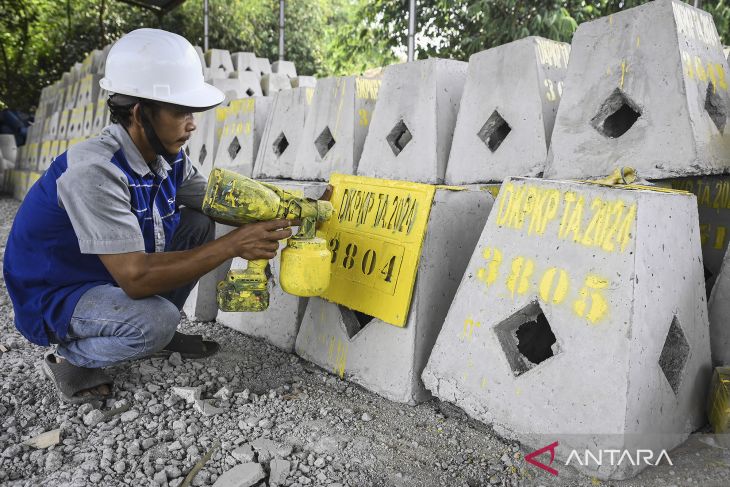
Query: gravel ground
point(277, 420)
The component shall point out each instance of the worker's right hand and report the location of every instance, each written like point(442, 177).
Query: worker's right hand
point(259, 240)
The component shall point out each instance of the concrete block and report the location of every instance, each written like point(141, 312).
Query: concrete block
point(572, 323)
point(201, 55)
point(284, 67)
point(241, 134)
point(263, 65)
point(72, 92)
point(201, 143)
point(713, 204)
point(87, 126)
point(8, 148)
point(237, 88)
point(279, 324)
point(385, 358)
point(102, 60)
point(413, 125)
point(88, 90)
point(219, 59)
point(50, 126)
point(647, 88)
point(75, 123)
point(101, 116)
point(201, 304)
point(283, 133)
point(246, 62)
point(45, 156)
point(274, 82)
point(304, 82)
point(505, 130)
point(63, 124)
point(719, 312)
point(31, 156)
point(336, 126)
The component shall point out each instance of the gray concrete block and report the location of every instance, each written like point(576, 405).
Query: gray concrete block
point(279, 324)
point(201, 55)
point(201, 146)
point(251, 82)
point(63, 120)
point(388, 359)
point(87, 125)
point(274, 82)
point(283, 133)
point(8, 148)
point(50, 126)
point(413, 123)
point(304, 82)
point(236, 88)
point(719, 312)
point(88, 90)
point(647, 88)
point(263, 65)
point(581, 318)
point(241, 134)
point(219, 59)
point(101, 116)
point(75, 123)
point(504, 130)
point(336, 126)
point(201, 304)
point(284, 67)
point(246, 62)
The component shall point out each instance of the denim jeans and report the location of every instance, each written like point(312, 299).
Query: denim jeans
point(108, 327)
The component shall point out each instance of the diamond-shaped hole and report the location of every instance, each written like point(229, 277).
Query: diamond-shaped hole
point(674, 355)
point(280, 144)
point(616, 116)
point(494, 131)
point(399, 137)
point(527, 339)
point(715, 107)
point(234, 148)
point(250, 92)
point(354, 321)
point(324, 142)
point(203, 153)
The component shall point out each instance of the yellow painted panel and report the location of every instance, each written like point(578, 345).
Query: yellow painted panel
point(375, 236)
point(718, 407)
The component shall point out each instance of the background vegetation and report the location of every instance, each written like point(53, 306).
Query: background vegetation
point(40, 39)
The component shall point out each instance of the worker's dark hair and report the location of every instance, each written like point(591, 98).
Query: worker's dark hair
point(120, 108)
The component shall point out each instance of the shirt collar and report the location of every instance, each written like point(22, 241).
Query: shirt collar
point(133, 156)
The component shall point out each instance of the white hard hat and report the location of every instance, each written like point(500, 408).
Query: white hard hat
point(158, 65)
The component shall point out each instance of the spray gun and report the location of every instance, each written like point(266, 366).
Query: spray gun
point(234, 199)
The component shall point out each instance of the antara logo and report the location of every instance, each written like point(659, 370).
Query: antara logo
point(598, 458)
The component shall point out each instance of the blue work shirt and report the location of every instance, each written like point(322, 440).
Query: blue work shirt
point(99, 197)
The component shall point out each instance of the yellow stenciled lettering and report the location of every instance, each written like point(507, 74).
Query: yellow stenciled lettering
point(592, 291)
point(569, 198)
point(615, 214)
point(552, 290)
point(505, 198)
point(489, 274)
point(518, 281)
point(625, 230)
point(469, 326)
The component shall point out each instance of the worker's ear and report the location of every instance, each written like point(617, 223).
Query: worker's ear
point(137, 115)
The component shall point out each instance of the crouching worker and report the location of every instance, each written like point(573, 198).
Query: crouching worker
point(101, 257)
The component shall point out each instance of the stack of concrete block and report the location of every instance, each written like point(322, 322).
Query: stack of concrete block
point(505, 130)
point(417, 96)
point(568, 308)
point(648, 88)
point(336, 127)
point(219, 63)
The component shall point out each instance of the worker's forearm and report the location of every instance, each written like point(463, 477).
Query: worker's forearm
point(165, 271)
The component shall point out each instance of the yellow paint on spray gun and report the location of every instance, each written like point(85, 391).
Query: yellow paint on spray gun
point(305, 264)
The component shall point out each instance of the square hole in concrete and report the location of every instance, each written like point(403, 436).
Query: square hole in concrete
point(527, 339)
point(715, 107)
point(280, 144)
point(355, 321)
point(616, 116)
point(233, 148)
point(250, 92)
point(494, 131)
point(399, 137)
point(674, 355)
point(324, 142)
